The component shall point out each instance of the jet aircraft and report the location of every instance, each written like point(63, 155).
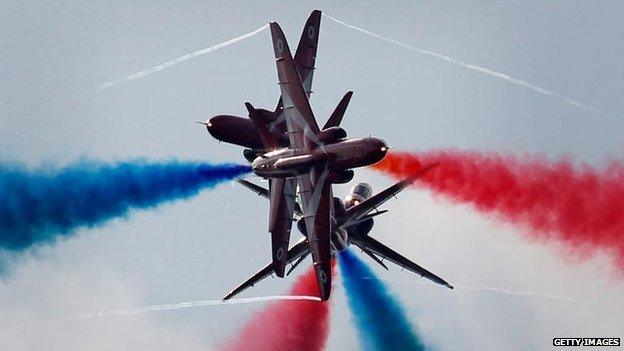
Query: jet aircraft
point(353, 220)
point(299, 159)
point(242, 131)
point(301, 162)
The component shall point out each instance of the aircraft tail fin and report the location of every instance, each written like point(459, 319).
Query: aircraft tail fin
point(268, 139)
point(336, 117)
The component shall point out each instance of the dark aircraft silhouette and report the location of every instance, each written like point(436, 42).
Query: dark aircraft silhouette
point(299, 159)
point(242, 131)
point(352, 221)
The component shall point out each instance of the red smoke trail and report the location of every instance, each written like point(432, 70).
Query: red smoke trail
point(287, 325)
point(578, 205)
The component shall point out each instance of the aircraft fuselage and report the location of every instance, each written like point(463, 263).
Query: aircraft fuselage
point(241, 131)
point(341, 155)
point(341, 235)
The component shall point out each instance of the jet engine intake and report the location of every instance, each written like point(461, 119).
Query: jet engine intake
point(341, 177)
point(332, 135)
point(251, 154)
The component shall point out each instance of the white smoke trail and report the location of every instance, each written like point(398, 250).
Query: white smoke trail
point(182, 58)
point(470, 66)
point(201, 303)
point(522, 293)
point(177, 306)
point(486, 289)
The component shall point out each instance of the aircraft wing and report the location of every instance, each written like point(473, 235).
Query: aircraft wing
point(255, 188)
point(264, 193)
point(385, 252)
point(360, 210)
point(315, 194)
point(314, 188)
point(371, 255)
point(299, 250)
point(300, 121)
point(305, 56)
point(281, 210)
point(305, 60)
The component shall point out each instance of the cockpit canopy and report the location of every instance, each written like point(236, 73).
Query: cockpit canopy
point(358, 194)
point(363, 190)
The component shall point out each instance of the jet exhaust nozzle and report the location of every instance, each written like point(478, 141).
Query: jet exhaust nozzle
point(340, 239)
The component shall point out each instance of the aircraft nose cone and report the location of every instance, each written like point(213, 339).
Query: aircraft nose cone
point(215, 126)
point(384, 147)
point(216, 121)
point(379, 148)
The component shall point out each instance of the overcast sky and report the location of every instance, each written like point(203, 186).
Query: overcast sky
point(54, 55)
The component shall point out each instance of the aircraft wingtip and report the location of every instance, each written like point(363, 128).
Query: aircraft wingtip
point(228, 296)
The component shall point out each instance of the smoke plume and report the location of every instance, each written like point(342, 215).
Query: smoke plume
point(575, 204)
point(380, 319)
point(287, 325)
point(41, 205)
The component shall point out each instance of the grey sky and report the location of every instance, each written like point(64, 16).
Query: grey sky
point(54, 55)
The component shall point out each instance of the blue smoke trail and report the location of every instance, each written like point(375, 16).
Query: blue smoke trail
point(38, 206)
point(381, 322)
